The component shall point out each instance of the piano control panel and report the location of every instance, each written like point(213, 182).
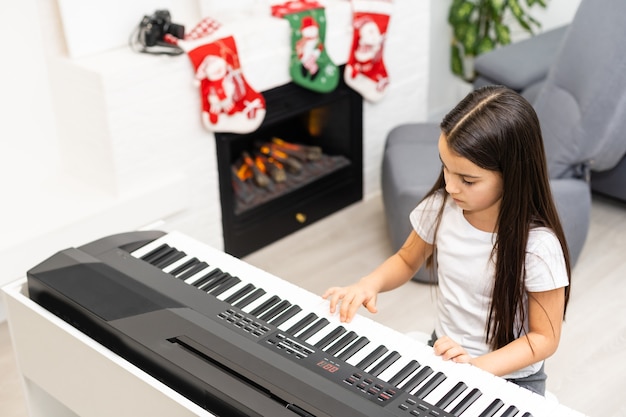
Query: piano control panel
point(336, 371)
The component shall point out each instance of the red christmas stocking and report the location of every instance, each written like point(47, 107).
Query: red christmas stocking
point(229, 104)
point(365, 70)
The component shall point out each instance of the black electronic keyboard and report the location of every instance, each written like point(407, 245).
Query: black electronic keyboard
point(241, 342)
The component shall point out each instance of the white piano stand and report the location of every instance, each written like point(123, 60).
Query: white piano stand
point(66, 373)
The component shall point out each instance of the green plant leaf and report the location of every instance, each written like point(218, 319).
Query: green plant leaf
point(486, 44)
point(460, 12)
point(456, 61)
point(503, 34)
point(470, 39)
point(519, 14)
point(497, 6)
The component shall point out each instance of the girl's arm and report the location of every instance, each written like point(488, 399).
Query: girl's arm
point(395, 271)
point(545, 318)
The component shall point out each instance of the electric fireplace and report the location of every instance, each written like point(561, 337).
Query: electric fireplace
point(303, 163)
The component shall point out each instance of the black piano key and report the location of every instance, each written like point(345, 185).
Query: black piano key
point(408, 369)
point(164, 261)
point(310, 318)
point(451, 395)
point(275, 311)
point(510, 412)
point(193, 270)
point(250, 298)
point(310, 331)
point(266, 305)
point(330, 337)
point(341, 343)
point(156, 253)
point(384, 364)
point(417, 379)
point(207, 277)
point(492, 408)
point(231, 282)
point(527, 414)
point(185, 266)
point(292, 311)
point(430, 385)
point(353, 348)
point(215, 283)
point(239, 293)
point(469, 399)
point(372, 357)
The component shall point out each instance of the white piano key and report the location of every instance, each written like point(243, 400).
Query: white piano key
point(254, 304)
point(144, 250)
point(363, 327)
point(322, 334)
point(396, 367)
point(223, 296)
point(200, 274)
point(176, 264)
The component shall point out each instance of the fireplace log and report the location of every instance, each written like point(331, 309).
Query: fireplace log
point(312, 153)
point(272, 167)
point(241, 186)
point(259, 177)
point(292, 164)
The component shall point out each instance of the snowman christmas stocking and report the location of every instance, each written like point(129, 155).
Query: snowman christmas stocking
point(229, 104)
point(365, 70)
point(310, 66)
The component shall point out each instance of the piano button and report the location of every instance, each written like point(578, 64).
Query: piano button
point(418, 378)
point(430, 385)
point(372, 357)
point(451, 395)
point(348, 338)
point(308, 319)
point(276, 310)
point(466, 402)
point(156, 253)
point(313, 329)
point(384, 364)
point(336, 333)
point(184, 267)
point(267, 304)
point(354, 348)
point(238, 294)
point(291, 312)
point(403, 374)
point(194, 269)
point(225, 286)
point(173, 256)
point(250, 298)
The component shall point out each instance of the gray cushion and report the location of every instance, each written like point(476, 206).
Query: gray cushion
point(522, 63)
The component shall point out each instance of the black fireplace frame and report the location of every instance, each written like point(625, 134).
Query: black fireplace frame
point(257, 227)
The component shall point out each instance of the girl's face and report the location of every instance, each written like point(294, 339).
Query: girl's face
point(476, 190)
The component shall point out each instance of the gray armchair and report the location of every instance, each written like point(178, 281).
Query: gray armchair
point(581, 105)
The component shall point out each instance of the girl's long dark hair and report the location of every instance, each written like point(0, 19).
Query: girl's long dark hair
point(498, 130)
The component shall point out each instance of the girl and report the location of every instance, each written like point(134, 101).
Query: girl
point(491, 227)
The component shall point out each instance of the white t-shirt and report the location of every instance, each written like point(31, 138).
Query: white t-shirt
point(465, 273)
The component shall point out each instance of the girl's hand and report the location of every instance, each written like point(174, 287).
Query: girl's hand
point(349, 299)
point(448, 349)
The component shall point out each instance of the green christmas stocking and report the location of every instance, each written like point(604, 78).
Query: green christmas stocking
point(309, 66)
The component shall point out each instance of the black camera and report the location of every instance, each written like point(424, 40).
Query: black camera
point(153, 28)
